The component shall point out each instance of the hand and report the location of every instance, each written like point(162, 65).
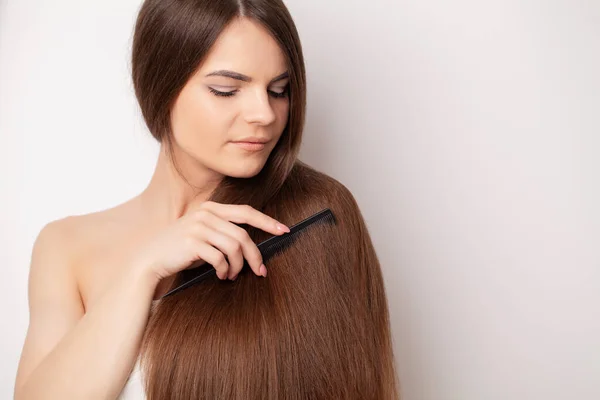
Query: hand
point(209, 234)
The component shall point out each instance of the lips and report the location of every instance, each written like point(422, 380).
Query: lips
point(252, 140)
point(251, 146)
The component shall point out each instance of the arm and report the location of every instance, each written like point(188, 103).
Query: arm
point(70, 354)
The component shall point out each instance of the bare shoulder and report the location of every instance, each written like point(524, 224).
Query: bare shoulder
point(53, 239)
point(67, 240)
point(72, 232)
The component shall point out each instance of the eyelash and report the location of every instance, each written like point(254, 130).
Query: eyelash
point(229, 94)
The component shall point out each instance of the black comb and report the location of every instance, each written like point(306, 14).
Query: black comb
point(268, 249)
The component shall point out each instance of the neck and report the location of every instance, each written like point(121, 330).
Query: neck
point(168, 196)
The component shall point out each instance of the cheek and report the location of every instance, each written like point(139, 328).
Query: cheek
point(283, 114)
point(198, 119)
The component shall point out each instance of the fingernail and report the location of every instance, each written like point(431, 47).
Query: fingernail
point(234, 278)
point(283, 228)
point(263, 270)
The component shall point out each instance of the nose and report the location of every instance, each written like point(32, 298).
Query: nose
point(259, 109)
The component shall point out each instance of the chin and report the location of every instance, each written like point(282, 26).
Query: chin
point(244, 170)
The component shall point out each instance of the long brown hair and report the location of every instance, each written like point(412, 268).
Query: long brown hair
point(318, 326)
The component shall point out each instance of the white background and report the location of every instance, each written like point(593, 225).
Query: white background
point(469, 132)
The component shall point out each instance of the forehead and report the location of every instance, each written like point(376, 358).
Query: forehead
point(246, 47)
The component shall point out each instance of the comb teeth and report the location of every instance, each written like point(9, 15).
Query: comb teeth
point(279, 243)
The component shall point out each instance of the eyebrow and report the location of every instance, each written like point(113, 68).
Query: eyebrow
point(240, 77)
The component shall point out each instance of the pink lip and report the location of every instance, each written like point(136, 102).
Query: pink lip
point(253, 146)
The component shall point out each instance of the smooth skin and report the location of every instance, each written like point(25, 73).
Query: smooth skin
point(93, 277)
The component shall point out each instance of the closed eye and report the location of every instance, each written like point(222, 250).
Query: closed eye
point(277, 95)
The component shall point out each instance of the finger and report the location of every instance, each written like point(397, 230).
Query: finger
point(228, 245)
point(214, 257)
point(245, 214)
point(249, 248)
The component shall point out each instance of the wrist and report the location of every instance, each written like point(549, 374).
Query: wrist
point(142, 274)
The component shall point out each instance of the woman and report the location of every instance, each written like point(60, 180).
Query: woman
point(221, 86)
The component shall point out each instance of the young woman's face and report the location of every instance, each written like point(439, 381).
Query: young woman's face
point(214, 111)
